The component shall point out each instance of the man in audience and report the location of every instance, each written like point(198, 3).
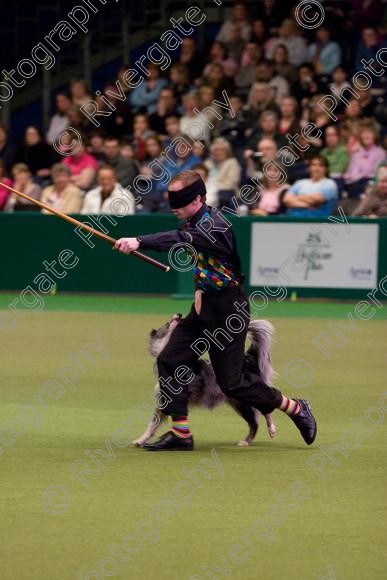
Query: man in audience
point(125, 169)
point(60, 120)
point(107, 197)
point(144, 97)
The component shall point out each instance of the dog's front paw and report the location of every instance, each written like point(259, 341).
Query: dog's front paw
point(243, 443)
point(272, 431)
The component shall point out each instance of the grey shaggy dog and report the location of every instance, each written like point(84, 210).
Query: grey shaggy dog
point(203, 390)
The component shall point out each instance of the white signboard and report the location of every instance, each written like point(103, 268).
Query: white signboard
point(314, 255)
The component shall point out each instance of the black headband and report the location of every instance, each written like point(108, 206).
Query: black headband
point(185, 196)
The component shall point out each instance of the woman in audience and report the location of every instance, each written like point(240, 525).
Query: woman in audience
point(282, 65)
point(22, 181)
point(289, 119)
point(82, 165)
point(290, 37)
point(240, 17)
point(60, 120)
point(4, 193)
point(80, 93)
point(219, 55)
point(62, 195)
point(179, 81)
point(224, 174)
point(374, 203)
point(324, 53)
point(247, 73)
point(36, 154)
point(270, 193)
point(217, 79)
point(141, 131)
point(364, 161)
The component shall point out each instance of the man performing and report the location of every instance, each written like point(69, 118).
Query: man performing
point(219, 294)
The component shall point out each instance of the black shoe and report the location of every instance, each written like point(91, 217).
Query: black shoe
point(305, 422)
point(171, 442)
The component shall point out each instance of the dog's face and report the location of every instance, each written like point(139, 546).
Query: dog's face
point(158, 339)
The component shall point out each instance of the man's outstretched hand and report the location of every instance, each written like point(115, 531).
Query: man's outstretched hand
point(127, 245)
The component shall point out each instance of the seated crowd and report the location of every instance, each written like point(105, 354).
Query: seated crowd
point(272, 77)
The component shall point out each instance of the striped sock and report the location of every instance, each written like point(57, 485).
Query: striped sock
point(289, 406)
point(180, 426)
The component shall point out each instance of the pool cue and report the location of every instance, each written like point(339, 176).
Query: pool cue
point(79, 224)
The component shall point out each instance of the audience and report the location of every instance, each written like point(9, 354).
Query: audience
point(275, 75)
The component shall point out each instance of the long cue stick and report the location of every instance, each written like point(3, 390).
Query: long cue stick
point(79, 224)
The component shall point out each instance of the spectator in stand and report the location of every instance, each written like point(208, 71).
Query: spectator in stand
point(290, 37)
point(267, 127)
point(7, 148)
point(127, 151)
point(191, 102)
point(236, 43)
point(272, 13)
point(234, 128)
point(265, 73)
point(336, 153)
point(166, 106)
point(260, 99)
point(125, 169)
point(306, 85)
point(154, 200)
point(62, 195)
point(259, 33)
point(270, 194)
point(246, 76)
point(219, 54)
point(324, 53)
point(374, 203)
point(144, 97)
point(367, 48)
point(120, 119)
point(191, 58)
point(216, 79)
point(368, 12)
point(349, 133)
point(224, 174)
point(203, 171)
point(364, 161)
point(36, 154)
point(289, 121)
point(313, 197)
point(4, 193)
point(206, 96)
point(266, 151)
point(82, 165)
point(179, 81)
point(315, 114)
point(282, 65)
point(80, 93)
point(60, 120)
point(172, 126)
point(141, 131)
point(367, 102)
point(121, 75)
point(96, 146)
point(107, 196)
point(22, 181)
point(240, 17)
point(339, 84)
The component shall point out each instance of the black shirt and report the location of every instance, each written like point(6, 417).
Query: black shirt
point(209, 238)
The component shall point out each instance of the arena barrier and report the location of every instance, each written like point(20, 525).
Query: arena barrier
point(282, 257)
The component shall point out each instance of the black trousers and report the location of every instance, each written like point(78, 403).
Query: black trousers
point(224, 329)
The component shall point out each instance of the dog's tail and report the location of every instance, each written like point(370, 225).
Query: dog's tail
point(261, 332)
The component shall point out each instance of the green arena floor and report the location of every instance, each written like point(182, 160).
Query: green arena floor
point(77, 497)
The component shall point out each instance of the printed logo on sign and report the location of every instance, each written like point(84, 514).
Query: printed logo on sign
point(360, 273)
point(266, 271)
point(311, 253)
